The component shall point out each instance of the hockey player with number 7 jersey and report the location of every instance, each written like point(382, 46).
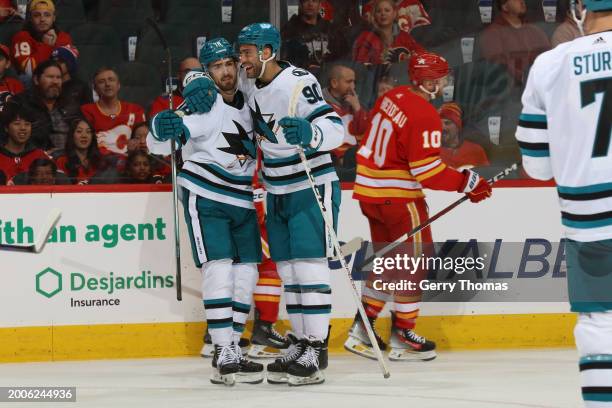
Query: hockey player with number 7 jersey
point(398, 157)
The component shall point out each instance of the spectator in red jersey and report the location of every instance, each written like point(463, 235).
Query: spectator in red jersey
point(309, 39)
point(18, 153)
point(52, 110)
point(112, 119)
point(410, 14)
point(139, 170)
point(39, 37)
point(457, 152)
point(72, 87)
point(7, 10)
point(82, 159)
point(510, 41)
point(8, 86)
point(340, 94)
point(380, 45)
point(42, 172)
point(162, 102)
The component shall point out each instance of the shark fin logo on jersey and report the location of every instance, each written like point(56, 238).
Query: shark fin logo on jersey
point(239, 144)
point(263, 125)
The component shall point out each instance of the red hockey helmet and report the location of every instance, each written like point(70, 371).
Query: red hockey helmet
point(427, 66)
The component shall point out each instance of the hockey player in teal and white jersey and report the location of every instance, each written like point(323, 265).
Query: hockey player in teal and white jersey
point(219, 162)
point(297, 235)
point(564, 133)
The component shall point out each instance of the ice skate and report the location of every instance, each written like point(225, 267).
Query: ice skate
point(406, 345)
point(277, 371)
point(226, 363)
point(266, 342)
point(358, 341)
point(308, 369)
point(208, 349)
point(249, 372)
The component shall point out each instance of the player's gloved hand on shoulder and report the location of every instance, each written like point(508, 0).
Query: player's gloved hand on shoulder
point(168, 125)
point(200, 94)
point(299, 131)
point(476, 188)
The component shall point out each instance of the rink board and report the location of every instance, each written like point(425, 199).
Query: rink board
point(104, 286)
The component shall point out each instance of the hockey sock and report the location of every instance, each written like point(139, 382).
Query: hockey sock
point(245, 279)
point(373, 301)
point(314, 280)
point(406, 314)
point(217, 293)
point(293, 297)
point(593, 334)
point(267, 292)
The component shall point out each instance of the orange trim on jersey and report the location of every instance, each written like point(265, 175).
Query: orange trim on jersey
point(269, 282)
point(374, 302)
point(420, 163)
point(383, 192)
point(416, 221)
point(398, 174)
point(110, 116)
point(410, 315)
point(438, 169)
point(266, 298)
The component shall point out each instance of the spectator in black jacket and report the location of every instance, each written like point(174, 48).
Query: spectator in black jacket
point(309, 40)
point(52, 110)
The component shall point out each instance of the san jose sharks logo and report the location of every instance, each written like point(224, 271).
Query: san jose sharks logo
point(263, 125)
point(240, 144)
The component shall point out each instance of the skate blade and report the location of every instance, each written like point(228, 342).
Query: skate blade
point(259, 351)
point(316, 378)
point(228, 379)
point(249, 378)
point(208, 350)
point(356, 346)
point(409, 355)
point(276, 378)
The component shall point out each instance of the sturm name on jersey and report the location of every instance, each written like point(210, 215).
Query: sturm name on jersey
point(592, 63)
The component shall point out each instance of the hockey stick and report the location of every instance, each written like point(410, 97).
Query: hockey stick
point(431, 219)
point(177, 238)
point(41, 238)
point(349, 248)
point(330, 228)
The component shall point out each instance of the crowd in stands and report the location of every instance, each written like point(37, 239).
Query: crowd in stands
point(61, 126)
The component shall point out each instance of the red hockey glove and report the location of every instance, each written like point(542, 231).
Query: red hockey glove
point(476, 188)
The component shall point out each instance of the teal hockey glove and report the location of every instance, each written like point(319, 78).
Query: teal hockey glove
point(200, 94)
point(299, 131)
point(168, 125)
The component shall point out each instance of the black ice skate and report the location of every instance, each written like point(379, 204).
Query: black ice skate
point(307, 370)
point(249, 372)
point(277, 371)
point(266, 342)
point(406, 345)
point(226, 363)
point(208, 349)
point(358, 341)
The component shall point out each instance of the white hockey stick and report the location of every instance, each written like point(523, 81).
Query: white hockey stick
point(349, 248)
point(330, 228)
point(41, 238)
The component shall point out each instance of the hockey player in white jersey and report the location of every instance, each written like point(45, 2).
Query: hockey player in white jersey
point(298, 240)
point(219, 162)
point(564, 133)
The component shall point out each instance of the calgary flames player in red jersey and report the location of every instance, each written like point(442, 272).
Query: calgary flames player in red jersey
point(398, 157)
